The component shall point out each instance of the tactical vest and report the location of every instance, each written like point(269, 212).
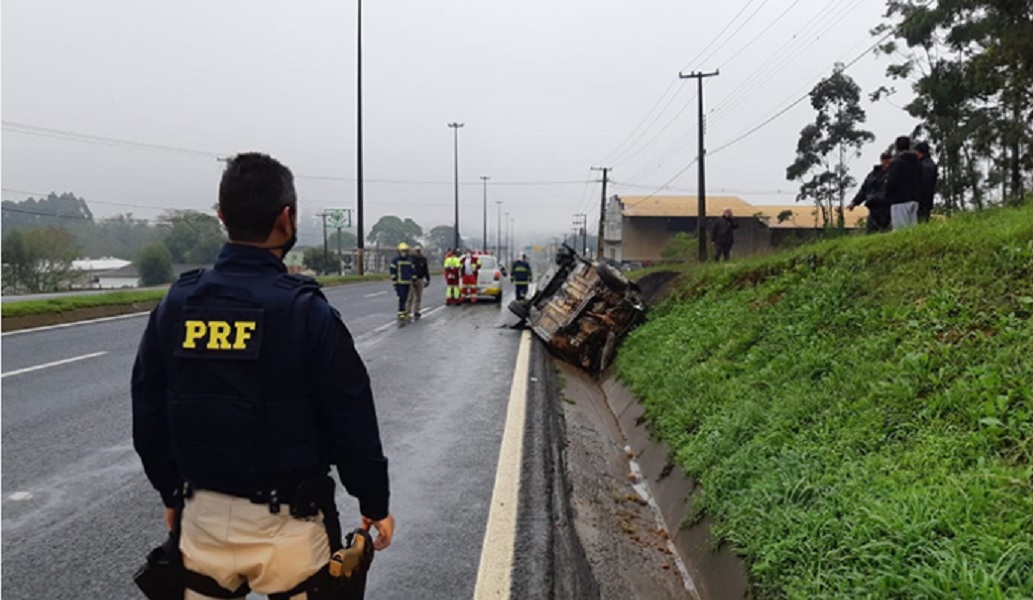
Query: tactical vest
point(241, 419)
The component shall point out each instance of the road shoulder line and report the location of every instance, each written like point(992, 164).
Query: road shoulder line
point(494, 575)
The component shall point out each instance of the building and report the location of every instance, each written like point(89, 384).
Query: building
point(129, 277)
point(638, 228)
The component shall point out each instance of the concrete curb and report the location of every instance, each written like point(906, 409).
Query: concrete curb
point(718, 574)
point(549, 561)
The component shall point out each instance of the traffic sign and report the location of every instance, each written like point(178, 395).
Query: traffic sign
point(339, 218)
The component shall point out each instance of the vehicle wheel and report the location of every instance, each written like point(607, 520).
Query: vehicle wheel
point(612, 277)
point(520, 309)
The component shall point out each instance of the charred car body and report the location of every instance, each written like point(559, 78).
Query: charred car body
point(582, 309)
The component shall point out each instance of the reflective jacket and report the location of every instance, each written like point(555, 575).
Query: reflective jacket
point(521, 272)
point(402, 270)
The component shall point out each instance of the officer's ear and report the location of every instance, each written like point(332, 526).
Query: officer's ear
point(285, 221)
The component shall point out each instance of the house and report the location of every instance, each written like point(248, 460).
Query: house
point(638, 228)
point(129, 277)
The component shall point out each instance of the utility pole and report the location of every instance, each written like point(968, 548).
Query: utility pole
point(484, 237)
point(455, 130)
point(512, 239)
point(498, 230)
point(360, 242)
point(508, 222)
point(701, 195)
point(602, 213)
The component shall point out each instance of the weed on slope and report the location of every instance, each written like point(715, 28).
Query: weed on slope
point(859, 412)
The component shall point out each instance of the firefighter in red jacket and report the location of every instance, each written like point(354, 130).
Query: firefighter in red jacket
point(471, 269)
point(452, 268)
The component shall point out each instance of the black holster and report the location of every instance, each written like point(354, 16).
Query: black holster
point(161, 577)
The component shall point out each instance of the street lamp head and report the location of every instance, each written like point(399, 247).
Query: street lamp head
point(456, 125)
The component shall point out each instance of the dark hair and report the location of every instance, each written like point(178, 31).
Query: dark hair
point(885, 156)
point(922, 147)
point(902, 144)
point(253, 191)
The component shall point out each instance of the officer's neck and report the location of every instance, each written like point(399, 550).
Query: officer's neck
point(276, 251)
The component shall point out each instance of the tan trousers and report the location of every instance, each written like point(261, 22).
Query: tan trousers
point(234, 541)
point(415, 300)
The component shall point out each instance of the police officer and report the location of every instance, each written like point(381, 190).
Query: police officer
point(402, 275)
point(521, 276)
point(247, 387)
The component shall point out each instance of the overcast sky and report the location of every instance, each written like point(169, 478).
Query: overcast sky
point(546, 89)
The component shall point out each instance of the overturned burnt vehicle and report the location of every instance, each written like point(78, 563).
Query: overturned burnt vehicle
point(582, 309)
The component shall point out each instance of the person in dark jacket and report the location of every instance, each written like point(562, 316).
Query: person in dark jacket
point(873, 195)
point(420, 280)
point(402, 277)
point(930, 175)
point(246, 388)
point(521, 276)
point(722, 234)
point(904, 185)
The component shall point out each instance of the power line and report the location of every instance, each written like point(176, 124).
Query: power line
point(734, 33)
point(807, 95)
point(759, 35)
point(659, 132)
point(642, 122)
point(718, 36)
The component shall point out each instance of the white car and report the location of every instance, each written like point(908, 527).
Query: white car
point(489, 280)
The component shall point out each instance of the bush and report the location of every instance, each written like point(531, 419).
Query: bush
point(155, 265)
point(681, 248)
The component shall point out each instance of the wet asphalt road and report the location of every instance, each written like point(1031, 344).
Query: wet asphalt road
point(79, 515)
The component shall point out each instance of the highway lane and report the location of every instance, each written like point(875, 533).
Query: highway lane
point(78, 514)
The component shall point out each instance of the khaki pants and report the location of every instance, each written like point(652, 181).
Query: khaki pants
point(415, 297)
point(234, 541)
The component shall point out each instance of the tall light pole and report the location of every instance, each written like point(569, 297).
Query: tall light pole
point(498, 230)
point(508, 221)
point(484, 236)
point(359, 237)
point(455, 145)
point(512, 239)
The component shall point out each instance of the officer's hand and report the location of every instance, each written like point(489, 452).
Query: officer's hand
point(170, 518)
point(385, 529)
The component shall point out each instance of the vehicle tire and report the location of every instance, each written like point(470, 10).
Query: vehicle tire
point(498, 299)
point(612, 277)
point(520, 309)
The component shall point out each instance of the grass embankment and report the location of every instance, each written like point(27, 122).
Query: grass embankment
point(859, 412)
point(73, 302)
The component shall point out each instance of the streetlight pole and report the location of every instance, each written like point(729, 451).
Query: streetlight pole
point(455, 148)
point(508, 221)
point(512, 239)
point(360, 242)
point(498, 230)
point(484, 237)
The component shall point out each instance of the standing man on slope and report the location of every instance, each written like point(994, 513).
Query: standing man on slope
point(421, 278)
point(904, 185)
point(402, 276)
point(246, 389)
point(930, 175)
point(722, 234)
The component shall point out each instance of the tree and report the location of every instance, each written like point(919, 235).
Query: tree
point(53, 210)
point(970, 64)
point(314, 259)
point(443, 237)
point(681, 248)
point(821, 152)
point(39, 259)
point(154, 264)
point(391, 231)
point(347, 240)
point(192, 237)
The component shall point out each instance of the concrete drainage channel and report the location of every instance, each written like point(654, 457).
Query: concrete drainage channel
point(602, 510)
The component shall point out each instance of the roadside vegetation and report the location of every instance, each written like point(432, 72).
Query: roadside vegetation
point(128, 298)
point(859, 412)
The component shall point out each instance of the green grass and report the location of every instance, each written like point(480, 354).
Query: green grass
point(68, 303)
point(859, 411)
point(124, 298)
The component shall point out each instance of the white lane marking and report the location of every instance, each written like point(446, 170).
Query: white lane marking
point(374, 294)
point(87, 322)
point(19, 496)
point(54, 364)
point(495, 574)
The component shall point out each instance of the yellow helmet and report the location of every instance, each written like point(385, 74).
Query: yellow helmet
point(403, 246)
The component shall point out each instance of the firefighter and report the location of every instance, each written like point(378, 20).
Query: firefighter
point(402, 276)
point(521, 276)
point(471, 267)
point(452, 267)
